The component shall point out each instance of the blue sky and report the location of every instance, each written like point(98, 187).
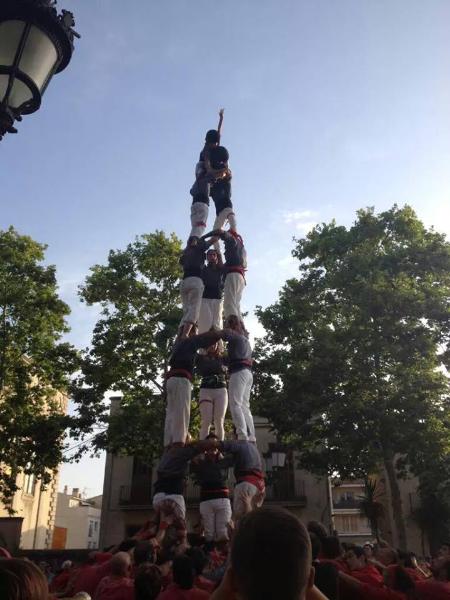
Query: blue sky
point(330, 106)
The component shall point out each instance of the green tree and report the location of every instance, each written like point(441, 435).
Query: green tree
point(138, 291)
point(34, 364)
point(350, 370)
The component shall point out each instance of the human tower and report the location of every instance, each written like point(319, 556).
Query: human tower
point(211, 291)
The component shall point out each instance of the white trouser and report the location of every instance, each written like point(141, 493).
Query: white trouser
point(239, 507)
point(174, 501)
point(210, 314)
point(178, 410)
point(191, 290)
point(213, 406)
point(199, 218)
point(216, 514)
point(239, 389)
point(226, 214)
point(232, 294)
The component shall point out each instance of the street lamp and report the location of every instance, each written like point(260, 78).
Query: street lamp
point(35, 43)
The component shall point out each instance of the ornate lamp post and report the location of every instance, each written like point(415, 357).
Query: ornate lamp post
point(35, 43)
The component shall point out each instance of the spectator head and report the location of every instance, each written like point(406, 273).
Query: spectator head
point(67, 564)
point(368, 549)
point(316, 546)
point(271, 556)
point(440, 567)
point(120, 564)
point(183, 571)
point(331, 547)
point(318, 529)
point(444, 550)
point(144, 552)
point(22, 580)
point(82, 596)
point(386, 555)
point(147, 582)
point(400, 581)
point(406, 559)
point(355, 558)
point(199, 559)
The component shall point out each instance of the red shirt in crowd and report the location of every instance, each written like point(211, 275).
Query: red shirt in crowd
point(89, 577)
point(369, 574)
point(115, 588)
point(431, 589)
point(60, 581)
point(202, 583)
point(369, 592)
point(174, 592)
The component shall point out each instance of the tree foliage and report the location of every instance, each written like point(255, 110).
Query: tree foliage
point(34, 364)
point(138, 292)
point(351, 367)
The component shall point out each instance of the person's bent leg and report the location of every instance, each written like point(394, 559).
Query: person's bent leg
point(220, 409)
point(205, 317)
point(207, 514)
point(246, 405)
point(232, 294)
point(199, 218)
point(206, 412)
point(235, 391)
point(223, 517)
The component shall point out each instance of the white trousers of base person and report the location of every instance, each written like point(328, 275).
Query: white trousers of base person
point(172, 503)
point(199, 218)
point(191, 291)
point(216, 514)
point(210, 314)
point(245, 488)
point(239, 389)
point(232, 294)
point(213, 407)
point(178, 410)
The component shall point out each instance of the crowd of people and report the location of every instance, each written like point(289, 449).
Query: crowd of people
point(271, 555)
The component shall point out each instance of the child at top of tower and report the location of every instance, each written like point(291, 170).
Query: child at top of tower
point(212, 178)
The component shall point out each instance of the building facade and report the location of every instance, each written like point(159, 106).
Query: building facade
point(77, 522)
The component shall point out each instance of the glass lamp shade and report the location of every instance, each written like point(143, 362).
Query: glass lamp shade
point(278, 459)
point(28, 58)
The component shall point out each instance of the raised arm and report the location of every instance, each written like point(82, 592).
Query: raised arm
point(219, 126)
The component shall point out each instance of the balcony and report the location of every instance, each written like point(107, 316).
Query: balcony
point(283, 491)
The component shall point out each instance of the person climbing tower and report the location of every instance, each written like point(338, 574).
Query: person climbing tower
point(213, 397)
point(212, 178)
point(191, 287)
point(235, 267)
point(211, 306)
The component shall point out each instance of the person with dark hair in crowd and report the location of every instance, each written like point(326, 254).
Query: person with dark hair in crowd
point(211, 306)
point(318, 529)
point(332, 552)
point(118, 585)
point(437, 587)
point(213, 396)
point(326, 573)
point(399, 586)
point(182, 587)
point(408, 561)
point(210, 471)
point(360, 569)
point(22, 580)
point(270, 559)
point(200, 561)
point(147, 582)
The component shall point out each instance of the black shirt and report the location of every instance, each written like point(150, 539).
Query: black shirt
point(213, 278)
point(184, 351)
point(193, 259)
point(211, 475)
point(212, 371)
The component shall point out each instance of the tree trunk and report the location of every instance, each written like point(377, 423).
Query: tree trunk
point(396, 500)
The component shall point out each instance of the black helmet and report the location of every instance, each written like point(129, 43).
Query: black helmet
point(212, 136)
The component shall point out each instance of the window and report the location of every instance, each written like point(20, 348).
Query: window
point(91, 529)
point(95, 525)
point(349, 523)
point(29, 484)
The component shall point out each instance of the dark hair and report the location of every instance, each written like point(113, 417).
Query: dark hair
point(211, 436)
point(406, 558)
point(218, 154)
point(183, 572)
point(271, 555)
point(212, 136)
point(358, 551)
point(147, 582)
point(22, 580)
point(316, 546)
point(318, 529)
point(401, 581)
point(126, 545)
point(326, 578)
point(144, 552)
point(331, 547)
point(199, 559)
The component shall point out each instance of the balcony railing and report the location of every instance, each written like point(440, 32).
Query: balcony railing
point(135, 496)
point(349, 503)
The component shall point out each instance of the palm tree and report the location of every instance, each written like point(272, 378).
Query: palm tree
point(371, 506)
